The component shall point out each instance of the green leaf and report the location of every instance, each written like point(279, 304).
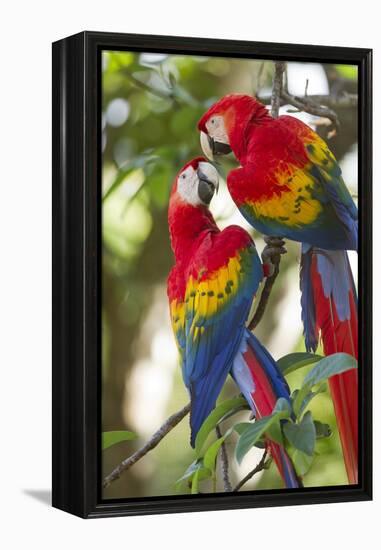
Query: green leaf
point(274, 432)
point(326, 367)
point(294, 361)
point(141, 161)
point(301, 405)
point(172, 79)
point(301, 436)
point(347, 71)
point(112, 438)
point(302, 462)
point(211, 454)
point(252, 434)
point(322, 430)
point(241, 427)
point(283, 407)
point(195, 480)
point(329, 366)
point(215, 416)
point(196, 466)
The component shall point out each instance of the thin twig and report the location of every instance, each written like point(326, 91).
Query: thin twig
point(306, 87)
point(168, 425)
point(147, 88)
point(224, 464)
point(263, 464)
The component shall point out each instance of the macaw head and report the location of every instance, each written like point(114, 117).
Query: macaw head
point(223, 126)
point(195, 183)
point(188, 212)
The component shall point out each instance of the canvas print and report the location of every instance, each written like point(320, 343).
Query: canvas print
point(229, 275)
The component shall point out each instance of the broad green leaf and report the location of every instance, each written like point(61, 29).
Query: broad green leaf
point(329, 366)
point(241, 427)
point(326, 367)
point(294, 361)
point(252, 434)
point(322, 430)
point(211, 454)
point(215, 416)
point(300, 406)
point(274, 432)
point(112, 438)
point(302, 436)
point(300, 397)
point(302, 462)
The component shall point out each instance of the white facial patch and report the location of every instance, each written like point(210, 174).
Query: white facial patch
point(187, 186)
point(188, 182)
point(216, 129)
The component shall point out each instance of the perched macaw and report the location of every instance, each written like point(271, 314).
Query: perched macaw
point(290, 184)
point(210, 289)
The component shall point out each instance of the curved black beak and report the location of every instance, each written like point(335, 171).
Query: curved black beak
point(206, 187)
point(212, 148)
point(219, 148)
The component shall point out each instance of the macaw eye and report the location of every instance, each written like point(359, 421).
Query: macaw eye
point(212, 121)
point(183, 176)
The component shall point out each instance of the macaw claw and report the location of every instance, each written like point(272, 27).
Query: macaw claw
point(271, 254)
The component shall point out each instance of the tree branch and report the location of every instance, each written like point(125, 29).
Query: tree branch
point(309, 106)
point(153, 91)
point(263, 464)
point(224, 463)
point(266, 291)
point(275, 244)
point(280, 67)
point(343, 101)
point(168, 425)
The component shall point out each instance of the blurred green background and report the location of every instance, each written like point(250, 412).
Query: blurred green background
point(150, 107)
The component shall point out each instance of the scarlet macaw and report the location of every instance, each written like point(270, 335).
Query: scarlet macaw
point(210, 289)
point(290, 184)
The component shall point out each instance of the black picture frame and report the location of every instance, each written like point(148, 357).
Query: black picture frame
point(77, 273)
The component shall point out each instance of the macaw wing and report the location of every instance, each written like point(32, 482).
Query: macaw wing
point(216, 306)
point(176, 304)
point(324, 161)
point(329, 186)
point(293, 187)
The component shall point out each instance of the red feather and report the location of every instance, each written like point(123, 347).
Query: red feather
point(340, 336)
point(264, 401)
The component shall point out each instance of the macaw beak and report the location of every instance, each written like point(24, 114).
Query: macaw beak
point(207, 145)
point(212, 148)
point(207, 182)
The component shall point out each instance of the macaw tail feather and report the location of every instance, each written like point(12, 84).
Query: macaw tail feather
point(329, 307)
point(257, 375)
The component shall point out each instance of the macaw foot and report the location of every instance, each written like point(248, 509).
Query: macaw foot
point(271, 254)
